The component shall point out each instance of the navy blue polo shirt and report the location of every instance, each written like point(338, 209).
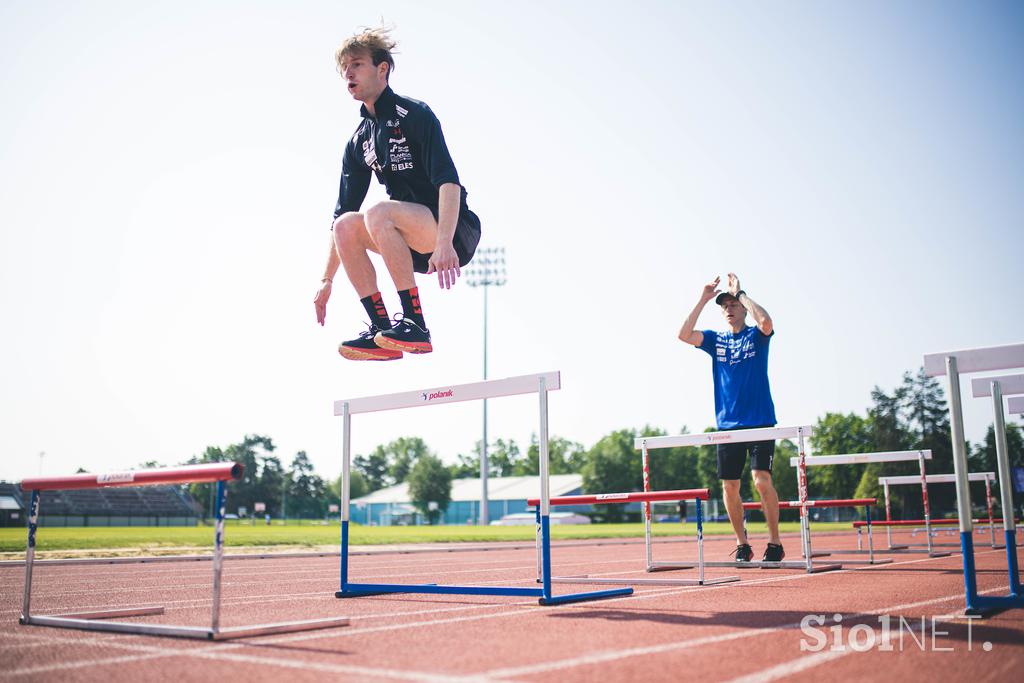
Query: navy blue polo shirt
point(404, 147)
point(739, 363)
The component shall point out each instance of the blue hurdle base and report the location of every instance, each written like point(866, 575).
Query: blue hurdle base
point(581, 597)
point(988, 605)
point(361, 589)
point(363, 594)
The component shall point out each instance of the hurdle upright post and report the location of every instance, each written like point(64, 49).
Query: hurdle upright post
point(218, 560)
point(963, 491)
point(801, 478)
point(545, 492)
point(346, 465)
point(645, 462)
point(924, 501)
point(1005, 491)
point(30, 554)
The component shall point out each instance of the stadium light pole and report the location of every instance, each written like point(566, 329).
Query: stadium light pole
point(487, 270)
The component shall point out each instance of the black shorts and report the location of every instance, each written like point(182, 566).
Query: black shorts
point(467, 236)
point(733, 456)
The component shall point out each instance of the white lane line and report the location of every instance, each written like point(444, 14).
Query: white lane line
point(789, 668)
point(644, 595)
point(235, 582)
point(614, 655)
point(146, 652)
point(65, 666)
point(809, 661)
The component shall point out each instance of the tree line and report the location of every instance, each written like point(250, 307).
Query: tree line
point(912, 416)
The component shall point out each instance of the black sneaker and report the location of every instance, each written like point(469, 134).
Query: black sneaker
point(406, 336)
point(743, 553)
point(773, 553)
point(365, 348)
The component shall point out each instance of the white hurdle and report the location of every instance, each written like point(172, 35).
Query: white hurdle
point(539, 384)
point(952, 364)
point(929, 524)
point(921, 456)
point(800, 433)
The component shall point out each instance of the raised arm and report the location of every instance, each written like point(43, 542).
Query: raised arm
point(757, 312)
point(686, 332)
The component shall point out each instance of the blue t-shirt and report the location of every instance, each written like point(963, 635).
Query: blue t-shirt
point(739, 363)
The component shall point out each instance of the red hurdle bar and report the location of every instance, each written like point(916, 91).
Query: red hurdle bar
point(796, 504)
point(633, 497)
point(191, 474)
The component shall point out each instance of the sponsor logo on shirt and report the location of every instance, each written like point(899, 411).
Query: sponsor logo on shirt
point(370, 154)
point(734, 350)
point(399, 155)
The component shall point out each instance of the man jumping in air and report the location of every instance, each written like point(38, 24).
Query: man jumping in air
point(425, 227)
point(743, 400)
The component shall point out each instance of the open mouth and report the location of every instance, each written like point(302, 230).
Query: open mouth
point(351, 87)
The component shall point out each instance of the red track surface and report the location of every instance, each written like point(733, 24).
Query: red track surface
point(715, 633)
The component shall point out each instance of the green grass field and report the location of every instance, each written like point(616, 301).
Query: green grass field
point(164, 539)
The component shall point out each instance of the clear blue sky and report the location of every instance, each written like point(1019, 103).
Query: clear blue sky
point(169, 173)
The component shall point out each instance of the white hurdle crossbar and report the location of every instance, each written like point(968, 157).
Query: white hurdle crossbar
point(539, 384)
point(987, 477)
point(799, 433)
point(1015, 405)
point(920, 456)
point(953, 364)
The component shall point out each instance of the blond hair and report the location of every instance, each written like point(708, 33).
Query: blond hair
point(377, 42)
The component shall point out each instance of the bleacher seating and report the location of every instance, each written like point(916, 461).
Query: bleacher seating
point(156, 501)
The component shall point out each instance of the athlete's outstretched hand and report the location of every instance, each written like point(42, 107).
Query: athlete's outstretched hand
point(734, 284)
point(711, 290)
point(320, 301)
point(445, 262)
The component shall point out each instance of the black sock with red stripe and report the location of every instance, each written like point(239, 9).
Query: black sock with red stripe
point(411, 305)
point(374, 305)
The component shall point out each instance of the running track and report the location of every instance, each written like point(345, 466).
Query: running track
point(746, 631)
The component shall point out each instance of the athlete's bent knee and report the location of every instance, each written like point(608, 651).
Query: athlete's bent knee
point(378, 217)
point(347, 226)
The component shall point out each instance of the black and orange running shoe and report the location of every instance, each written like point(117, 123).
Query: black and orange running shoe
point(405, 336)
point(365, 348)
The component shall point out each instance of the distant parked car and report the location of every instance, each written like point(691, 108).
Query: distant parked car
point(526, 518)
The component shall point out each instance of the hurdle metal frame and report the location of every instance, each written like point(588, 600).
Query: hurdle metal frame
point(929, 524)
point(648, 497)
point(800, 433)
point(540, 384)
point(921, 456)
point(952, 364)
point(87, 621)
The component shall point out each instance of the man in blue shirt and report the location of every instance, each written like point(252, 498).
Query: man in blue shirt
point(425, 227)
point(743, 400)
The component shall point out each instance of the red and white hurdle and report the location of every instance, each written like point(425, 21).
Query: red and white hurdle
point(921, 456)
point(799, 434)
point(928, 522)
point(89, 621)
point(646, 498)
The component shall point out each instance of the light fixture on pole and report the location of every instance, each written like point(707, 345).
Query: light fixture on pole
point(486, 270)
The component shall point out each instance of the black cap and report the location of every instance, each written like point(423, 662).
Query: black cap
point(721, 298)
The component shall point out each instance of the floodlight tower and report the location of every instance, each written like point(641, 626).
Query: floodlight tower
point(486, 270)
